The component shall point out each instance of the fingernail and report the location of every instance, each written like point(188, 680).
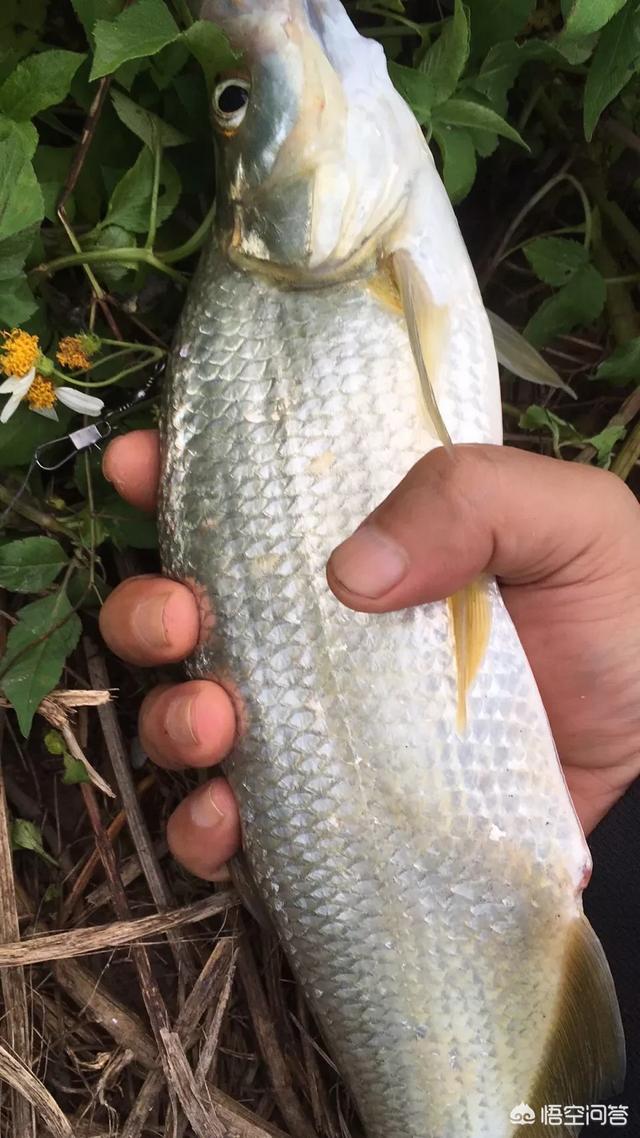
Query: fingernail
point(204, 810)
point(148, 621)
point(369, 563)
point(179, 722)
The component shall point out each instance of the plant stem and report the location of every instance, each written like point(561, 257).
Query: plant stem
point(193, 243)
point(629, 455)
point(155, 189)
point(106, 257)
point(152, 356)
point(31, 514)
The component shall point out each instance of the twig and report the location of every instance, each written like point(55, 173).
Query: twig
point(137, 826)
point(283, 1090)
point(197, 1106)
point(97, 938)
point(23, 1080)
point(124, 1026)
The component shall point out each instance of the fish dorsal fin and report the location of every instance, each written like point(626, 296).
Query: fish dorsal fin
point(427, 325)
point(471, 620)
point(584, 1062)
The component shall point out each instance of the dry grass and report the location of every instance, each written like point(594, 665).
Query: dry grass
point(135, 1001)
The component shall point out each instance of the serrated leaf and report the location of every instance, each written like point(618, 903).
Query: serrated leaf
point(36, 653)
point(495, 20)
point(466, 113)
point(578, 303)
point(140, 31)
point(623, 364)
point(445, 61)
point(604, 443)
point(502, 65)
point(555, 260)
point(458, 161)
point(88, 11)
point(28, 565)
point(562, 433)
point(40, 81)
point(416, 89)
point(584, 17)
point(521, 358)
point(209, 45)
point(131, 200)
point(145, 124)
point(21, 202)
point(25, 835)
point(615, 60)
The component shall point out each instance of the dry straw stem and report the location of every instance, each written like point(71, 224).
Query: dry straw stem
point(140, 836)
point(14, 990)
point(93, 998)
point(23, 1080)
point(98, 938)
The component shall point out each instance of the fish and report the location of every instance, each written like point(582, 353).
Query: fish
point(405, 819)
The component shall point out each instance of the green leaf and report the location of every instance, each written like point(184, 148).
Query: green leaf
point(36, 652)
point(583, 17)
point(458, 161)
point(464, 112)
point(113, 237)
point(145, 124)
point(26, 836)
point(25, 431)
point(416, 89)
point(555, 260)
point(604, 444)
point(88, 11)
point(21, 202)
point(51, 164)
point(562, 433)
point(623, 364)
point(17, 302)
point(126, 525)
point(209, 45)
point(502, 65)
point(141, 30)
point(74, 771)
point(40, 81)
point(578, 303)
point(31, 564)
point(131, 200)
point(495, 20)
point(21, 24)
point(444, 63)
point(615, 60)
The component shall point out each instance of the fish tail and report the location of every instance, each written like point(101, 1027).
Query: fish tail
point(470, 612)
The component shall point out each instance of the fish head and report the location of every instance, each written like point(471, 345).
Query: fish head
point(315, 146)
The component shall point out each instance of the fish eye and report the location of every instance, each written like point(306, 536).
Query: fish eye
point(230, 102)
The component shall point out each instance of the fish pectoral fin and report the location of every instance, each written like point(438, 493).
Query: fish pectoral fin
point(470, 612)
point(427, 325)
point(584, 1061)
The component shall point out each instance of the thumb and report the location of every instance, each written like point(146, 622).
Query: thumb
point(515, 515)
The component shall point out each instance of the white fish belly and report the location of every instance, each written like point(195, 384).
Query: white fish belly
point(423, 881)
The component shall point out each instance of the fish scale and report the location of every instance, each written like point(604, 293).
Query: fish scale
point(378, 833)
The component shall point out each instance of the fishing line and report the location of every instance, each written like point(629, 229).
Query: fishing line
point(53, 455)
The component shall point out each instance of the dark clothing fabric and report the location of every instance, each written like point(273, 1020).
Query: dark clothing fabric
point(612, 904)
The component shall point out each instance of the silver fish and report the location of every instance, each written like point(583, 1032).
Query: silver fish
point(405, 817)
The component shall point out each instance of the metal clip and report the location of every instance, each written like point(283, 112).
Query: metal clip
point(49, 456)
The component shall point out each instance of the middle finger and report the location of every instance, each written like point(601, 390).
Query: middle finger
point(191, 724)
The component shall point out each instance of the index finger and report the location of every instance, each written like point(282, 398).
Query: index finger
point(132, 463)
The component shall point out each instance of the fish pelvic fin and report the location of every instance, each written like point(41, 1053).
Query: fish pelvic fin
point(427, 325)
point(470, 612)
point(584, 1061)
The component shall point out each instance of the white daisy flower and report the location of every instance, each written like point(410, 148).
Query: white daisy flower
point(16, 387)
point(41, 395)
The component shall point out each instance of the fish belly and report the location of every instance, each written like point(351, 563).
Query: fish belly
point(422, 879)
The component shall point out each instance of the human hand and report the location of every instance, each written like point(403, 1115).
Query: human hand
point(564, 541)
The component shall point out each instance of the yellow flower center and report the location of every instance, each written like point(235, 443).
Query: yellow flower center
point(41, 396)
point(19, 352)
point(72, 353)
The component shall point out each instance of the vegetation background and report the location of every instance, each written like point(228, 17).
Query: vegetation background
point(106, 187)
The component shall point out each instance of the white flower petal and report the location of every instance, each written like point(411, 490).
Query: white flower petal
point(79, 401)
point(10, 383)
point(18, 391)
point(46, 412)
